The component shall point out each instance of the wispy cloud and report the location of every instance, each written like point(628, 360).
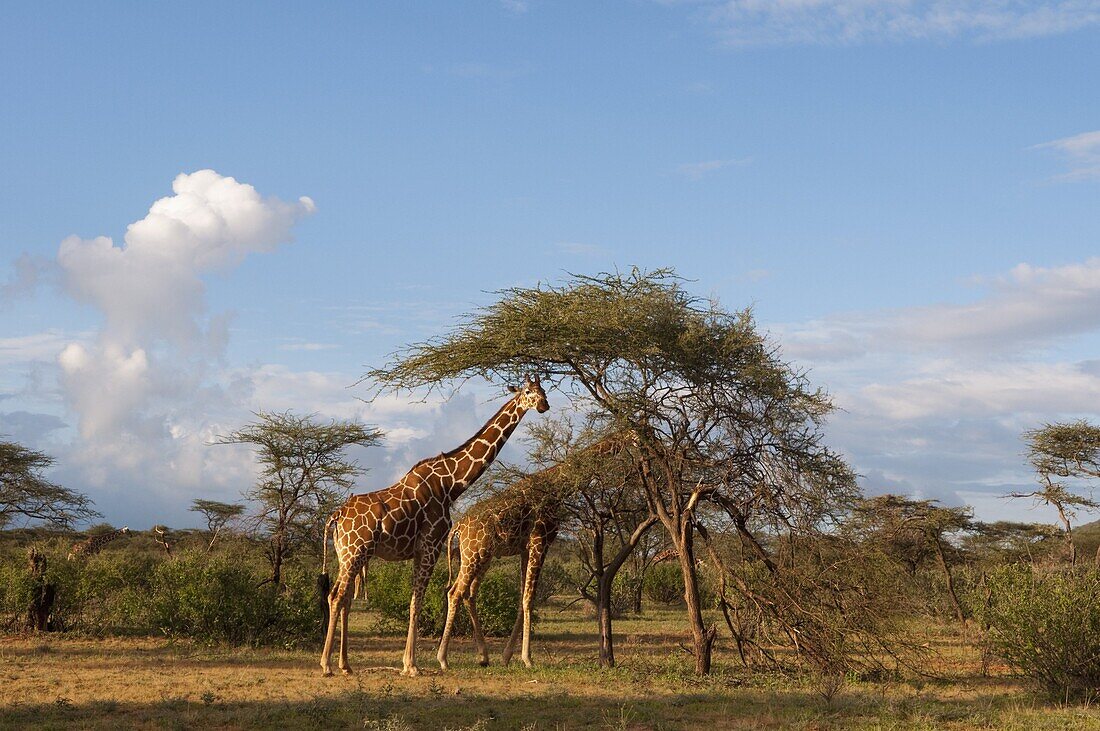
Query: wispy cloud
point(696, 170)
point(577, 248)
point(515, 6)
point(934, 398)
point(1081, 152)
point(308, 346)
point(847, 22)
point(30, 271)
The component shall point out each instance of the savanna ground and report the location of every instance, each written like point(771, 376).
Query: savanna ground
point(66, 682)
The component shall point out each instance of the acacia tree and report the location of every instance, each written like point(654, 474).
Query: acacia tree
point(218, 515)
point(712, 404)
point(304, 473)
point(25, 493)
point(911, 531)
point(1064, 451)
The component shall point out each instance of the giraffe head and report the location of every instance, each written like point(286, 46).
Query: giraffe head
point(531, 395)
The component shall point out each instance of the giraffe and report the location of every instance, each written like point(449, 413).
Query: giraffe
point(522, 520)
point(92, 546)
point(411, 519)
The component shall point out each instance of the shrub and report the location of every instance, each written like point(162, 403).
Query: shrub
point(553, 579)
point(210, 598)
point(215, 598)
point(389, 586)
point(1046, 623)
point(664, 584)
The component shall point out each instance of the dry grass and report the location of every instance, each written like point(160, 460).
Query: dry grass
point(70, 682)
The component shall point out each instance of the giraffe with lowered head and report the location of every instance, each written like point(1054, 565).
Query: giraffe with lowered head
point(91, 546)
point(523, 519)
point(411, 519)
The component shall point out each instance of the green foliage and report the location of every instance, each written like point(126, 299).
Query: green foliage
point(25, 494)
point(1047, 625)
point(219, 599)
point(208, 597)
point(553, 580)
point(389, 586)
point(664, 584)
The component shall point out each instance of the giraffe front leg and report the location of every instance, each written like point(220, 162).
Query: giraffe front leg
point(510, 647)
point(534, 567)
point(424, 565)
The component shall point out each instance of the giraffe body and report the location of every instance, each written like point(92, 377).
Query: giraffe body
point(505, 525)
point(411, 519)
point(522, 520)
point(93, 545)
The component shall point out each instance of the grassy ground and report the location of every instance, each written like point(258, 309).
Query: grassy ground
point(68, 682)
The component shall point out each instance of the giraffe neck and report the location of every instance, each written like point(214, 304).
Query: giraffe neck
point(475, 456)
point(100, 541)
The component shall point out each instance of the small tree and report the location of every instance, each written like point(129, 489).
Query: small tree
point(911, 531)
point(218, 515)
point(25, 493)
point(1069, 451)
point(304, 474)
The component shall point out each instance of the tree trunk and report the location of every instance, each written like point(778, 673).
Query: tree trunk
point(603, 620)
point(702, 637)
point(277, 551)
point(959, 614)
point(42, 596)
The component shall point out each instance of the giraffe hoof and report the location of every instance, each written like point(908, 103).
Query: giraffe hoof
point(326, 673)
point(411, 671)
point(346, 671)
point(483, 663)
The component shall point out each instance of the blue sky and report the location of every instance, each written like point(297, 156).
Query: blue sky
point(904, 190)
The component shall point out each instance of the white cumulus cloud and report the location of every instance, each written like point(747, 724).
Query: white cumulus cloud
point(146, 389)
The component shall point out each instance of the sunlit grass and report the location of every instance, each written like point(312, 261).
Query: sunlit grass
point(57, 681)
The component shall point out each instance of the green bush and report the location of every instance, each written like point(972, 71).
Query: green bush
point(216, 598)
point(553, 579)
point(1046, 623)
point(389, 587)
point(664, 584)
point(207, 597)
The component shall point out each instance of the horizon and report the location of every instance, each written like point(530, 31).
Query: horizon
point(215, 210)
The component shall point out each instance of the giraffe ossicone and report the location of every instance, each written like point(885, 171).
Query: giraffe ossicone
point(411, 519)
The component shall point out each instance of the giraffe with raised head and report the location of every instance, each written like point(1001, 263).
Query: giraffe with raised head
point(411, 519)
point(521, 520)
point(92, 546)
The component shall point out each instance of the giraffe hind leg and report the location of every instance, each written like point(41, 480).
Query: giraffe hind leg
point(455, 594)
point(335, 603)
point(345, 610)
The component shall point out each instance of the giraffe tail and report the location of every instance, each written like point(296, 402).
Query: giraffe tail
point(324, 542)
point(450, 543)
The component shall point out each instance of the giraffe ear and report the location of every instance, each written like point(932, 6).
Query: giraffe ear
point(513, 389)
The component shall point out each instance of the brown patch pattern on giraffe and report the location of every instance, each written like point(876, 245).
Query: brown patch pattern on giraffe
point(521, 520)
point(411, 519)
point(91, 546)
